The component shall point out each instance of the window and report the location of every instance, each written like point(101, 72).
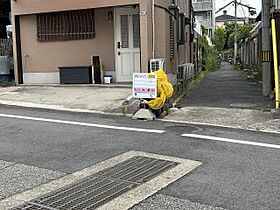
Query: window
point(62, 26)
point(181, 29)
point(125, 31)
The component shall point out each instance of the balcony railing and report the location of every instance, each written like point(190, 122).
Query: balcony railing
point(202, 6)
point(276, 3)
point(208, 23)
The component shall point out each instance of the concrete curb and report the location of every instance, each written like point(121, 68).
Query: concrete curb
point(59, 108)
point(80, 85)
point(128, 101)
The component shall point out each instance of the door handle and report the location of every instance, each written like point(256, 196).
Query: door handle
point(119, 53)
point(119, 45)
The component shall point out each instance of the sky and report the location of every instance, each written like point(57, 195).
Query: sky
point(241, 13)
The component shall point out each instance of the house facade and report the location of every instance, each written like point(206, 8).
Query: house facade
point(221, 20)
point(125, 34)
point(226, 18)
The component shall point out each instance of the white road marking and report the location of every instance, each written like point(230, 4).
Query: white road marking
point(81, 124)
point(235, 141)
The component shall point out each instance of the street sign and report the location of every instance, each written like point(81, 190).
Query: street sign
point(144, 85)
point(266, 56)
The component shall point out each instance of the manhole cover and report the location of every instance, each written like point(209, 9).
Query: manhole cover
point(102, 187)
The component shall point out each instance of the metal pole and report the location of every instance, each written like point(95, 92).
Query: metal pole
point(276, 73)
point(266, 48)
point(235, 32)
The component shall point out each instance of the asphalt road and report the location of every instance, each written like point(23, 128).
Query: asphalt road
point(227, 87)
point(233, 176)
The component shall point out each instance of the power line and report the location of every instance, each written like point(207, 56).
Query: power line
point(245, 15)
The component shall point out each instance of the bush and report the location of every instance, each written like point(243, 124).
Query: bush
point(212, 61)
point(8, 84)
point(210, 56)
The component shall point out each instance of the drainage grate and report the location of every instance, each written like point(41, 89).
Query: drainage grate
point(102, 187)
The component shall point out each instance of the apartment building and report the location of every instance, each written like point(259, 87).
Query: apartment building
point(204, 12)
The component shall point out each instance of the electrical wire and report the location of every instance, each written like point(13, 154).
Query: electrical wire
point(244, 13)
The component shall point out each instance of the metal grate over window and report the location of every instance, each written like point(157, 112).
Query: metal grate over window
point(69, 25)
point(171, 38)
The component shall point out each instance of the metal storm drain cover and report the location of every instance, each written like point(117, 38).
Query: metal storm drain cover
point(102, 187)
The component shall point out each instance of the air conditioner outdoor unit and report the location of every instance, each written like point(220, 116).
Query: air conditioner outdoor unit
point(185, 71)
point(157, 64)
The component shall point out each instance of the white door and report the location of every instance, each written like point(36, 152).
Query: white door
point(127, 41)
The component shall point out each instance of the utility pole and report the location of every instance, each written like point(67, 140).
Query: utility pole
point(266, 48)
point(235, 32)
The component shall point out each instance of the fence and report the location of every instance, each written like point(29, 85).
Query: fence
point(251, 47)
point(6, 61)
point(6, 47)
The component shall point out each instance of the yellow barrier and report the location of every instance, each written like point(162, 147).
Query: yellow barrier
point(164, 89)
point(275, 58)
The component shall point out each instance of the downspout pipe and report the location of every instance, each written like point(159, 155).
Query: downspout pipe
point(153, 25)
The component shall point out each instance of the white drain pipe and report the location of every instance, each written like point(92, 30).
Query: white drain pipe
point(153, 30)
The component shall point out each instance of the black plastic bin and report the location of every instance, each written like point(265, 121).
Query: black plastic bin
point(76, 75)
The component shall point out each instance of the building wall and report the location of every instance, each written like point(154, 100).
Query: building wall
point(222, 23)
point(45, 57)
point(31, 7)
point(182, 52)
point(22, 7)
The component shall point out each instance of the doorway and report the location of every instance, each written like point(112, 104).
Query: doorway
point(127, 41)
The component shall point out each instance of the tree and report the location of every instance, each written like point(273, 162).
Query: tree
point(243, 31)
point(229, 31)
point(219, 39)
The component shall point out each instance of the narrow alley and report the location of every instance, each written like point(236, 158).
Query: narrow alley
point(227, 98)
point(227, 87)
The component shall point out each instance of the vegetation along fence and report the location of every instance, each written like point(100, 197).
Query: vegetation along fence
point(6, 47)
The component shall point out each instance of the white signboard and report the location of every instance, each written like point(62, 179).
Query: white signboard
point(144, 85)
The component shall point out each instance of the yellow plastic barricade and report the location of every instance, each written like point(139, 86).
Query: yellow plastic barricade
point(164, 90)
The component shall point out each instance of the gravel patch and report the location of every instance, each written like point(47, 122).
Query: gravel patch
point(19, 178)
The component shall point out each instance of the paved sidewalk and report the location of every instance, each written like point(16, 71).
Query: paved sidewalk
point(80, 99)
point(226, 98)
point(16, 178)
